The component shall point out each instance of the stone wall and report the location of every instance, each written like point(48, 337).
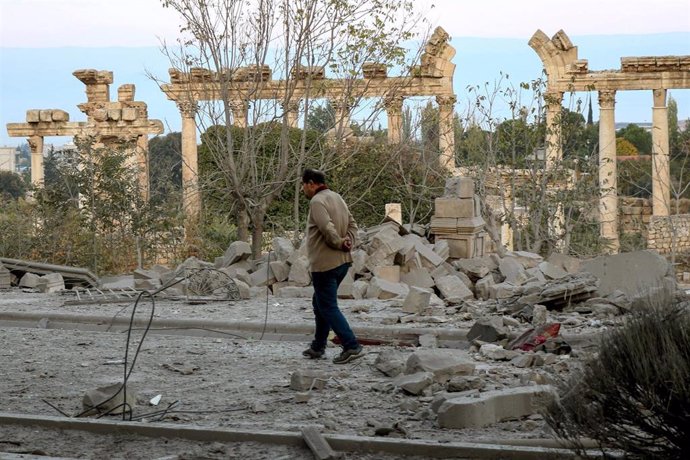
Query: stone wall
point(667, 232)
point(634, 214)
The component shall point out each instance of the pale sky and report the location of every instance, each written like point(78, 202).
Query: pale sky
point(54, 23)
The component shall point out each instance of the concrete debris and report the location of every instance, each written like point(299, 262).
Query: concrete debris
point(488, 329)
point(109, 399)
point(52, 282)
point(305, 380)
point(415, 383)
point(390, 362)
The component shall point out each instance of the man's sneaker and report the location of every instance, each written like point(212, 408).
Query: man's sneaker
point(313, 354)
point(349, 355)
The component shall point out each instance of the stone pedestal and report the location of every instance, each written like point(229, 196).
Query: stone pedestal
point(457, 220)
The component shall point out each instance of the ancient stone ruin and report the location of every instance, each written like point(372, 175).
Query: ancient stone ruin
point(121, 123)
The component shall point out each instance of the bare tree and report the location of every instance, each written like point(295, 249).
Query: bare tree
point(298, 42)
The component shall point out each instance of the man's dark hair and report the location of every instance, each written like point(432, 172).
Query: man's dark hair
point(313, 175)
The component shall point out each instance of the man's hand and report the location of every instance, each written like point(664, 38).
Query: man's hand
point(347, 244)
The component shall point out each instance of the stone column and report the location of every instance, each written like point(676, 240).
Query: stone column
point(393, 107)
point(446, 134)
point(142, 159)
point(291, 108)
point(608, 201)
point(553, 147)
point(342, 117)
point(36, 145)
point(190, 180)
point(661, 173)
point(239, 109)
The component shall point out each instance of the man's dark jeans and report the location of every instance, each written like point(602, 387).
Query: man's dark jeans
point(326, 312)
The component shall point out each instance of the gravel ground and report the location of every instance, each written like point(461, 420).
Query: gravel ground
point(222, 382)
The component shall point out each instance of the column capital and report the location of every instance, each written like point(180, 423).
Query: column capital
point(291, 105)
point(393, 104)
point(187, 109)
point(659, 98)
point(607, 99)
point(35, 143)
point(238, 104)
point(553, 98)
point(446, 100)
point(342, 104)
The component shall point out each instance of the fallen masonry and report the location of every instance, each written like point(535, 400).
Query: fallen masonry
point(456, 347)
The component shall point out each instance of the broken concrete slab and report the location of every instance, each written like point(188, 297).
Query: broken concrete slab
point(494, 406)
point(29, 280)
point(73, 276)
point(382, 289)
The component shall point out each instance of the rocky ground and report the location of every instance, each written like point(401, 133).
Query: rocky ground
point(238, 382)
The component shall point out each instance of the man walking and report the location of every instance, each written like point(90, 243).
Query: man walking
point(331, 233)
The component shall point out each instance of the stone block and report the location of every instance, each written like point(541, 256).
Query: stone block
point(299, 272)
point(427, 255)
point(482, 287)
point(496, 352)
point(262, 276)
point(441, 248)
point(389, 273)
point(513, 271)
point(280, 270)
point(494, 406)
point(454, 207)
point(552, 271)
point(382, 289)
point(33, 116)
point(237, 250)
point(243, 287)
point(476, 268)
point(453, 290)
point(45, 115)
point(459, 187)
point(282, 248)
point(29, 280)
point(488, 329)
point(442, 363)
point(417, 277)
point(52, 282)
point(129, 114)
point(526, 259)
point(303, 380)
point(295, 292)
point(504, 290)
point(417, 300)
point(59, 115)
point(117, 282)
point(415, 383)
point(390, 362)
point(114, 114)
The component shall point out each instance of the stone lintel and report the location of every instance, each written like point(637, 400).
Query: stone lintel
point(403, 86)
point(111, 129)
point(616, 80)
